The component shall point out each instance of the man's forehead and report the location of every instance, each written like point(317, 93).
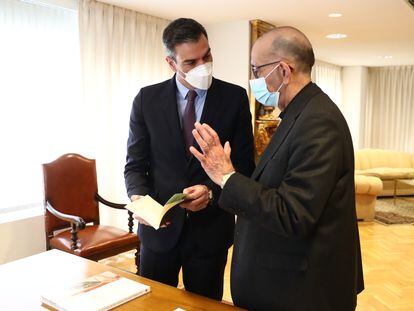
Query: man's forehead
point(190, 50)
point(259, 53)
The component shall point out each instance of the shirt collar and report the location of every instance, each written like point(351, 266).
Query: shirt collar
point(183, 90)
point(282, 113)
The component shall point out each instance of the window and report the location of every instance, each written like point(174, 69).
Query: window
point(39, 94)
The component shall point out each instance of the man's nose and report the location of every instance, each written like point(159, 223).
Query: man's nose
point(200, 62)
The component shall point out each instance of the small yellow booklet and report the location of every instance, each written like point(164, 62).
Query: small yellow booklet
point(152, 211)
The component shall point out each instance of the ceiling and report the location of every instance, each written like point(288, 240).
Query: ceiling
point(374, 28)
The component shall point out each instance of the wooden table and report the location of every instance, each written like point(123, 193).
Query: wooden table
point(22, 281)
point(405, 181)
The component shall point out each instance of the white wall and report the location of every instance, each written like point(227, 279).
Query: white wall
point(354, 88)
point(230, 46)
point(22, 238)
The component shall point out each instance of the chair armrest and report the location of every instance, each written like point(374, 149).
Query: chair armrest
point(74, 220)
point(117, 206)
point(108, 203)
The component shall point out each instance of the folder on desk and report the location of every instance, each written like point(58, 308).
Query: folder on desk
point(97, 293)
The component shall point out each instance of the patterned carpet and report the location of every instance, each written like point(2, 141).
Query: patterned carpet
point(124, 261)
point(400, 213)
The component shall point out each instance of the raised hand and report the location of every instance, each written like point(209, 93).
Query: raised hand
point(214, 159)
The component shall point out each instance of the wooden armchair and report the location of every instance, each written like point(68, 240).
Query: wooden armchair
point(72, 212)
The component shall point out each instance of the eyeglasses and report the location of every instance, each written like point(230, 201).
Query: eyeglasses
point(255, 69)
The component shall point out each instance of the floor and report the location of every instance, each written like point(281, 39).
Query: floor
point(388, 260)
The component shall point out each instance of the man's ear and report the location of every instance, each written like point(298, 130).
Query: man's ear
point(286, 73)
point(171, 63)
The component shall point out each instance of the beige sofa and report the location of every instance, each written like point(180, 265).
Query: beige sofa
point(376, 172)
point(388, 166)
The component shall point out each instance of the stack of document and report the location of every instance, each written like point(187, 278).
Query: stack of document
point(100, 292)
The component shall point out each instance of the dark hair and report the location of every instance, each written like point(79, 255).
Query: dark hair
point(181, 30)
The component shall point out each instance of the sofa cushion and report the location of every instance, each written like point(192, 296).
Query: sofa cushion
point(388, 173)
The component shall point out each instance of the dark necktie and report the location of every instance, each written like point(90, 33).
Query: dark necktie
point(189, 118)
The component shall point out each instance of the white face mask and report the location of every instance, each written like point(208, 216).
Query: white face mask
point(200, 77)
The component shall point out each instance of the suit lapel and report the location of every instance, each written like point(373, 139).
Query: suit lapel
point(296, 106)
point(211, 104)
point(172, 118)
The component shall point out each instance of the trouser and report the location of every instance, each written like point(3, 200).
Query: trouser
point(202, 274)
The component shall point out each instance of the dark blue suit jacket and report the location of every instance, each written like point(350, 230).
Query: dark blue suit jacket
point(157, 163)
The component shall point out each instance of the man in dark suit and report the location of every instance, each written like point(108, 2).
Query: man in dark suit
point(198, 234)
point(296, 241)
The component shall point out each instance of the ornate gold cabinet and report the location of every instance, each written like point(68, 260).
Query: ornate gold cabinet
point(265, 119)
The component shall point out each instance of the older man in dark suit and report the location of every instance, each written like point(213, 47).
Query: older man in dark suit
point(297, 243)
point(197, 235)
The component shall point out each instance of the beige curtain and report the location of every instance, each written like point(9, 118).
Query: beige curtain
point(121, 51)
point(389, 115)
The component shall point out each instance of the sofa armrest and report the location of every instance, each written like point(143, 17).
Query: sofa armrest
point(367, 185)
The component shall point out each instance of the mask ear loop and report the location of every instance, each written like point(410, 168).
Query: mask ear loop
point(284, 72)
point(280, 87)
point(272, 71)
point(181, 73)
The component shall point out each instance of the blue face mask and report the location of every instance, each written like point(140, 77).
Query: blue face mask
point(262, 94)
